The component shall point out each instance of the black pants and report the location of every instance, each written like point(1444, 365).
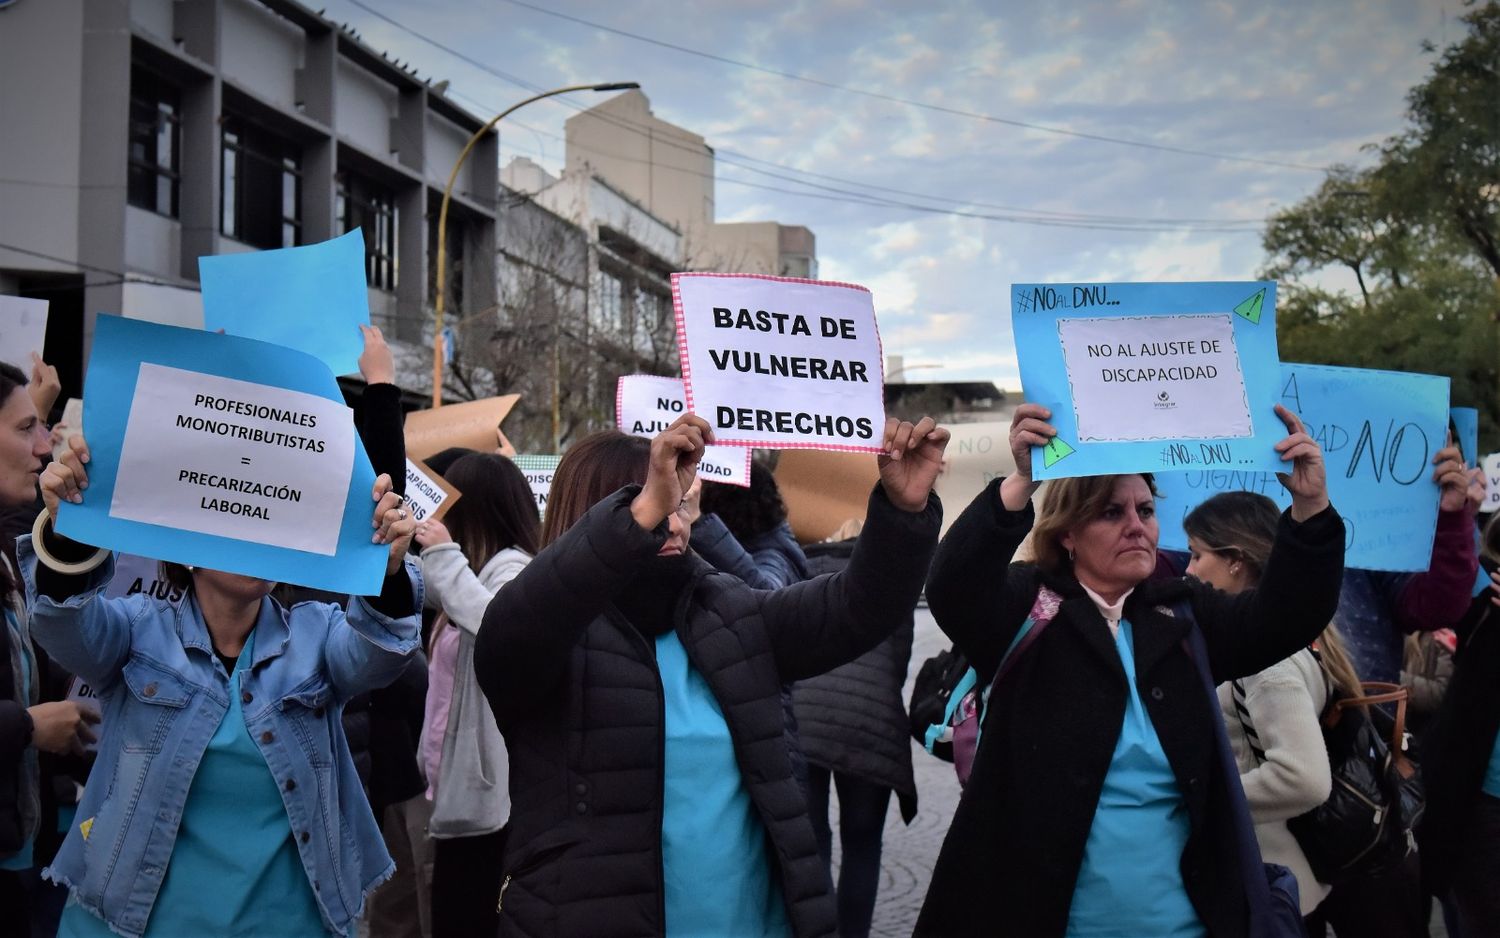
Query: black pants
point(862, 807)
point(466, 874)
point(1476, 880)
point(1385, 906)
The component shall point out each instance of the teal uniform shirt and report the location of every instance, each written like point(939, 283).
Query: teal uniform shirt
point(715, 867)
point(1131, 880)
point(234, 869)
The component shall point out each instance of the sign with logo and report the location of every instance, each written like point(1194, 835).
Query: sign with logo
point(1150, 377)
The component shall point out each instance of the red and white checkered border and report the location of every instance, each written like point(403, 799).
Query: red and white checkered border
point(687, 367)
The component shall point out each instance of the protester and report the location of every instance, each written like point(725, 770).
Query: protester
point(27, 724)
point(224, 800)
point(744, 532)
point(1097, 803)
point(638, 692)
point(490, 534)
point(854, 731)
point(1460, 832)
point(1273, 716)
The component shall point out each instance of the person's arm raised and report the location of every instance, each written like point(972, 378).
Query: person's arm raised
point(531, 626)
point(824, 622)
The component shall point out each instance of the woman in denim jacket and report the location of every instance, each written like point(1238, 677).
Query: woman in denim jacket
point(224, 800)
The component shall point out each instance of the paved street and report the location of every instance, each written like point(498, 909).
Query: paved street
point(910, 851)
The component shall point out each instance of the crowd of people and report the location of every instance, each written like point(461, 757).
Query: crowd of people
point(629, 717)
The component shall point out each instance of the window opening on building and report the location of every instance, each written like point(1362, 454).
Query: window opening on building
point(155, 152)
point(260, 186)
point(365, 204)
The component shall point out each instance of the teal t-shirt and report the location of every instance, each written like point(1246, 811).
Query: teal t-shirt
point(234, 869)
point(1491, 785)
point(1131, 879)
point(715, 866)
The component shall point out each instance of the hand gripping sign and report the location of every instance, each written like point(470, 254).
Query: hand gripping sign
point(781, 363)
point(1379, 431)
point(645, 405)
point(1148, 377)
point(226, 453)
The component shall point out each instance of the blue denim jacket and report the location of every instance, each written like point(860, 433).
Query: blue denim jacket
point(164, 693)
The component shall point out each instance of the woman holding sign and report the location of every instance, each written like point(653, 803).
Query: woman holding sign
point(639, 694)
point(224, 800)
point(1099, 802)
point(490, 534)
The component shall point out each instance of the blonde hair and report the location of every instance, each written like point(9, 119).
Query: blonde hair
point(1336, 661)
point(1068, 504)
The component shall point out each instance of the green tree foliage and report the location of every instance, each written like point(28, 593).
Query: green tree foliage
point(1419, 232)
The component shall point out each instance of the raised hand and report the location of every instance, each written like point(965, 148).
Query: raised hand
point(1308, 479)
point(672, 468)
point(44, 386)
point(911, 462)
point(65, 479)
point(376, 363)
point(1452, 479)
point(433, 532)
point(393, 524)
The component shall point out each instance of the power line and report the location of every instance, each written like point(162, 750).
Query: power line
point(120, 276)
point(1098, 223)
point(1117, 223)
point(938, 108)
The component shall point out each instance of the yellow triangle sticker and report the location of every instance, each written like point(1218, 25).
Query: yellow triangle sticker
point(86, 827)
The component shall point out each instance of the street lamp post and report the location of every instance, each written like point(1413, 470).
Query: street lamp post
point(442, 245)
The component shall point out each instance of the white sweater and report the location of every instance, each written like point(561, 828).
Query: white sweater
point(1283, 702)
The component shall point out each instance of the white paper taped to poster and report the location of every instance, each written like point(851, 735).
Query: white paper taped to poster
point(235, 459)
point(645, 405)
point(1492, 478)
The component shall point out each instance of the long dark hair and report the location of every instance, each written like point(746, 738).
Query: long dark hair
point(11, 378)
point(495, 510)
point(595, 466)
point(747, 512)
point(1243, 525)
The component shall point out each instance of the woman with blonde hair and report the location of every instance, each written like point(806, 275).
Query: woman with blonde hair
point(1099, 802)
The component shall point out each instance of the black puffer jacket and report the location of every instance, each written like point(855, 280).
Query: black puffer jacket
point(1456, 752)
point(852, 720)
point(575, 690)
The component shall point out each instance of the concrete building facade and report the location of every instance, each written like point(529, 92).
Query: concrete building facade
point(142, 134)
point(627, 324)
point(669, 171)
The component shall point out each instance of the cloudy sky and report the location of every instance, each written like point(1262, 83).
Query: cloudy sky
point(1272, 90)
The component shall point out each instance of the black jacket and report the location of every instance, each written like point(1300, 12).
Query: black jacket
point(575, 691)
point(852, 719)
point(1456, 750)
point(1013, 853)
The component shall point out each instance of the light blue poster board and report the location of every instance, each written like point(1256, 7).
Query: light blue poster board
point(311, 298)
point(1150, 377)
point(1379, 431)
point(1466, 422)
point(121, 347)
